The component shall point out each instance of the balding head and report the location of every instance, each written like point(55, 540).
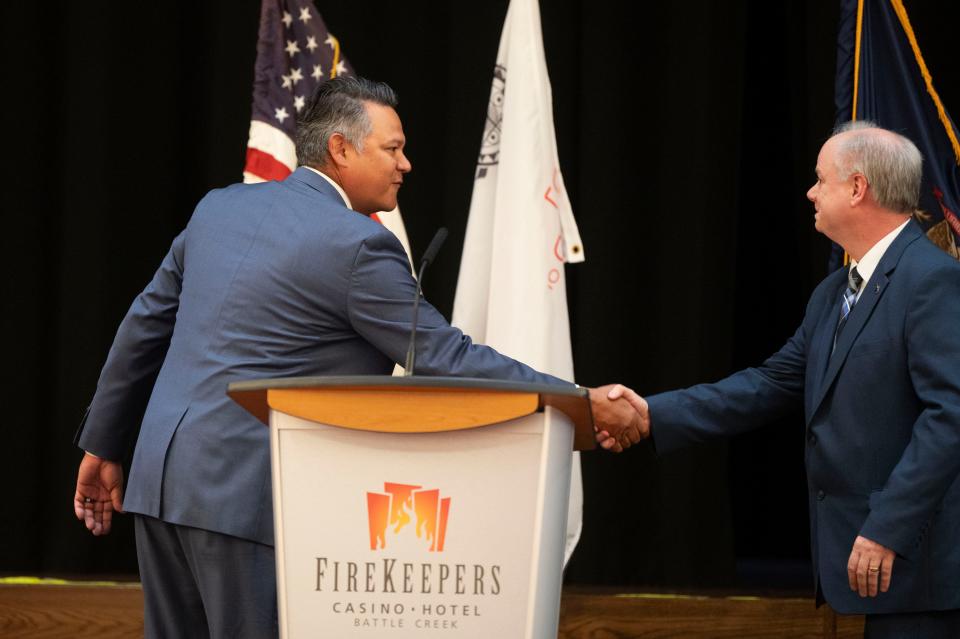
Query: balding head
point(891, 163)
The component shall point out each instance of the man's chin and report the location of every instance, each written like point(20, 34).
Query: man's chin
point(387, 206)
point(373, 209)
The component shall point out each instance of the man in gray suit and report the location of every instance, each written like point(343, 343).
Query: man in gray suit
point(268, 280)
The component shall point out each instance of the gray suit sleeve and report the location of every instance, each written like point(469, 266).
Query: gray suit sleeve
point(380, 309)
point(134, 361)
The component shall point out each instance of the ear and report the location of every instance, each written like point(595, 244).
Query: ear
point(337, 148)
point(859, 191)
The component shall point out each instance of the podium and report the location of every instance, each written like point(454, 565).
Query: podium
point(419, 506)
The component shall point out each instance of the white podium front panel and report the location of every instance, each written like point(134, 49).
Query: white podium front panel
point(402, 535)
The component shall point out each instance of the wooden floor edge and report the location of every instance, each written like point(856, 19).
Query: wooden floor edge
point(39, 606)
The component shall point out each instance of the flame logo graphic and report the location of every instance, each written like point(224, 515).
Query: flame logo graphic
point(394, 508)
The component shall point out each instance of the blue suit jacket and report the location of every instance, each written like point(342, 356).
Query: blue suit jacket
point(882, 423)
point(268, 280)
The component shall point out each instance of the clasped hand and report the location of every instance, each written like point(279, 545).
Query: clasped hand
point(620, 416)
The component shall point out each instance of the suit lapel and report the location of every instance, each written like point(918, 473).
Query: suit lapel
point(823, 338)
point(861, 312)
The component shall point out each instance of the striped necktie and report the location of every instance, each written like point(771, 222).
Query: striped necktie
point(854, 281)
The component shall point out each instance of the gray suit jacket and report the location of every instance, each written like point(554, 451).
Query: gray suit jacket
point(268, 280)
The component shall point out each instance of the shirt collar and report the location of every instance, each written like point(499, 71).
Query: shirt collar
point(868, 263)
point(339, 189)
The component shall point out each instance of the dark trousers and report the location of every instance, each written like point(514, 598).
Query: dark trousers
point(937, 624)
point(198, 583)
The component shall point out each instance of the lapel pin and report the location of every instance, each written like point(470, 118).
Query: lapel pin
point(877, 289)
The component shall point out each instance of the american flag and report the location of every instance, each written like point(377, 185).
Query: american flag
point(295, 53)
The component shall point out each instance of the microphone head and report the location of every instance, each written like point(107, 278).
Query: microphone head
point(438, 239)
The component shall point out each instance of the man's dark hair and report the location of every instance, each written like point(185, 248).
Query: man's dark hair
point(337, 107)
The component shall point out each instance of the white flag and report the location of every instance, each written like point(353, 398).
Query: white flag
point(511, 292)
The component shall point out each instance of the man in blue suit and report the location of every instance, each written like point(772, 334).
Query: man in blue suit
point(268, 280)
point(876, 365)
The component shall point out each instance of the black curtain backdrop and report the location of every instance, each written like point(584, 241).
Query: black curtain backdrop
point(687, 133)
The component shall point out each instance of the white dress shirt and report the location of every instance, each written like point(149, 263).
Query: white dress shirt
point(868, 263)
point(342, 193)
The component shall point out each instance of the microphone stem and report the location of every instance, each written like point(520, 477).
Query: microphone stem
point(412, 349)
point(428, 256)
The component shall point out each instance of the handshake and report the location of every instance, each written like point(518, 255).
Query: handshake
point(621, 418)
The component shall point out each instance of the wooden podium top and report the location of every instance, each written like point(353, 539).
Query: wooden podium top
point(413, 404)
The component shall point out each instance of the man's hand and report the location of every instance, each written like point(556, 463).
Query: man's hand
point(99, 493)
point(618, 424)
point(618, 393)
point(870, 565)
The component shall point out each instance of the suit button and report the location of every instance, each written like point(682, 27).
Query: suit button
point(812, 439)
point(821, 495)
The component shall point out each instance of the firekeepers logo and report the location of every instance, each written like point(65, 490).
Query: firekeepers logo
point(394, 508)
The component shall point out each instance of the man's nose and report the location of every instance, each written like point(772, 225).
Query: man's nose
point(404, 166)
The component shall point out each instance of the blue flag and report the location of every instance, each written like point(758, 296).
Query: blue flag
point(882, 77)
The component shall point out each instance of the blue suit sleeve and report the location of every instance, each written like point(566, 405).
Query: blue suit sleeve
point(745, 400)
point(134, 361)
point(930, 464)
point(380, 309)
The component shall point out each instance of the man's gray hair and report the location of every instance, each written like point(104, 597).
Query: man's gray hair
point(337, 107)
point(891, 163)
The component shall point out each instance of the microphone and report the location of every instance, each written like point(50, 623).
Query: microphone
point(438, 239)
point(428, 255)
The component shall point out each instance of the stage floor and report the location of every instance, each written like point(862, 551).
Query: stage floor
point(32, 607)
